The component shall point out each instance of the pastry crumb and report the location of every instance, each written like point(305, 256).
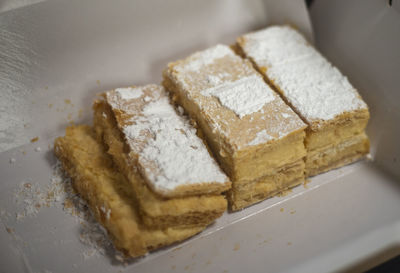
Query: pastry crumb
point(284, 193)
point(10, 230)
point(306, 182)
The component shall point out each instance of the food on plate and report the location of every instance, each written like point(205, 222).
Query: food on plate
point(270, 109)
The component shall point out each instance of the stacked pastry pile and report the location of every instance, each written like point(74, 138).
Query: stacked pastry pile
point(149, 178)
point(335, 113)
point(146, 174)
point(256, 137)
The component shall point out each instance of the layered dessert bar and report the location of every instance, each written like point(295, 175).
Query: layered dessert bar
point(109, 195)
point(255, 136)
point(335, 113)
point(161, 155)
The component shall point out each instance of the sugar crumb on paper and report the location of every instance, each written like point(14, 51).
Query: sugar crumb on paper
point(31, 199)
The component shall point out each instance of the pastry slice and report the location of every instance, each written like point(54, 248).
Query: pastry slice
point(109, 195)
point(334, 111)
point(156, 210)
point(170, 157)
point(250, 129)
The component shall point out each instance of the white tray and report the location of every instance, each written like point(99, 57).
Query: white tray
point(346, 219)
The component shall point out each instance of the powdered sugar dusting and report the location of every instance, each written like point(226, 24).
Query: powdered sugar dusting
point(244, 96)
point(237, 86)
point(170, 153)
point(205, 57)
point(261, 137)
point(214, 79)
point(288, 123)
point(310, 83)
point(129, 93)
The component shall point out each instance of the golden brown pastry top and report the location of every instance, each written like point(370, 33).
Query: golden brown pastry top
point(313, 86)
point(170, 156)
point(238, 105)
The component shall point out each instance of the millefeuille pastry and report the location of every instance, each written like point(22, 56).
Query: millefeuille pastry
point(334, 111)
point(256, 137)
point(147, 175)
point(176, 181)
point(110, 196)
